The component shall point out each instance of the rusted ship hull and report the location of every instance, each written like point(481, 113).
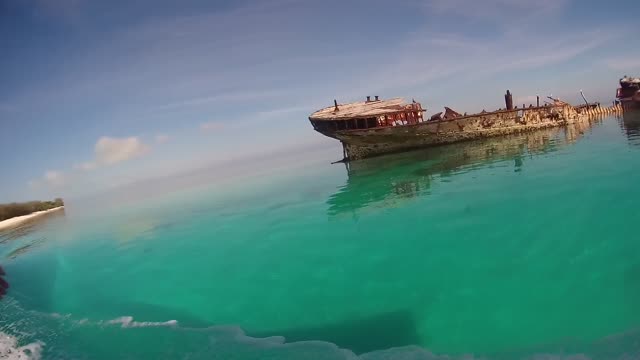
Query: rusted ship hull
point(417, 172)
point(628, 94)
point(376, 127)
point(631, 104)
point(363, 143)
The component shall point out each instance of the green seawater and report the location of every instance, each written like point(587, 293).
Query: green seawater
point(522, 247)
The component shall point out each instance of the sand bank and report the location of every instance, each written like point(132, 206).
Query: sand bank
point(15, 221)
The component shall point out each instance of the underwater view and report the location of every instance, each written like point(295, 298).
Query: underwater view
point(519, 247)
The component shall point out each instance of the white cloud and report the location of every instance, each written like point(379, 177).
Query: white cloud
point(51, 179)
point(89, 165)
point(54, 178)
point(254, 62)
point(110, 150)
point(162, 138)
point(211, 126)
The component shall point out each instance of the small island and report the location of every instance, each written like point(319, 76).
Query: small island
point(16, 213)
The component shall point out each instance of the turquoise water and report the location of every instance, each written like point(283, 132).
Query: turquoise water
point(522, 247)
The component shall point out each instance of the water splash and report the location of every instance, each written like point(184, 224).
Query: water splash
point(9, 349)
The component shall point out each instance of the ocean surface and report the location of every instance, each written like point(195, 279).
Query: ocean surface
point(522, 247)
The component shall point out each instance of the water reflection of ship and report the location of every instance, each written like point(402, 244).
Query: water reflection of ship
point(386, 181)
point(631, 126)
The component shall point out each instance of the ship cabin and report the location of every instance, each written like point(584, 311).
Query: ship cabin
point(369, 114)
point(628, 87)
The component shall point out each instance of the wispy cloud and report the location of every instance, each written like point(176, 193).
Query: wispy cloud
point(89, 165)
point(211, 126)
point(161, 138)
point(224, 97)
point(253, 118)
point(626, 63)
point(278, 63)
point(556, 51)
point(501, 11)
point(54, 178)
point(215, 76)
point(459, 57)
point(276, 114)
point(50, 179)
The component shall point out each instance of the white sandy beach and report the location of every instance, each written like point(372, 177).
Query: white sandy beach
point(4, 224)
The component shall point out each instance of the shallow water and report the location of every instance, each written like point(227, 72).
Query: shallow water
point(522, 247)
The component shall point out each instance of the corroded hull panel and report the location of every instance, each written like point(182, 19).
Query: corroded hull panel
point(631, 104)
point(371, 142)
point(412, 181)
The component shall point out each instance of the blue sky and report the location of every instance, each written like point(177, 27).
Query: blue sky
point(97, 94)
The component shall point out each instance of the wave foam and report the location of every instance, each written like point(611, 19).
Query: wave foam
point(128, 322)
point(9, 349)
point(62, 332)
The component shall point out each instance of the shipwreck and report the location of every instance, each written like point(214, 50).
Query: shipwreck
point(415, 174)
point(628, 94)
point(376, 126)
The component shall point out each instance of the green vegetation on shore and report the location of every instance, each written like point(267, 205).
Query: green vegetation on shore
point(8, 211)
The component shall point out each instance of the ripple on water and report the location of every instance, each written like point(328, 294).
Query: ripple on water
point(513, 248)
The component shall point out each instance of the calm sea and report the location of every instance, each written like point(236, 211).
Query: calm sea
point(523, 247)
